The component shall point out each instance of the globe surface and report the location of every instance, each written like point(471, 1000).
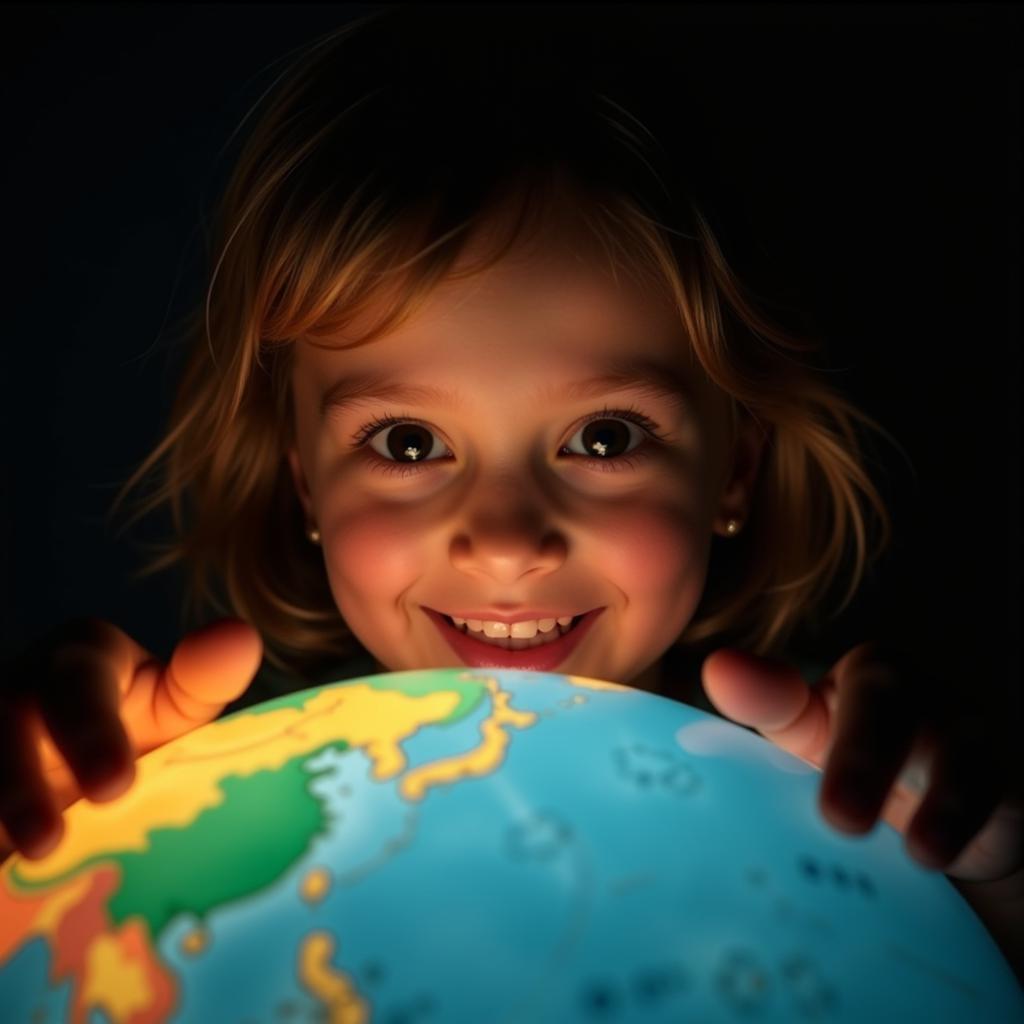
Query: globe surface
point(483, 846)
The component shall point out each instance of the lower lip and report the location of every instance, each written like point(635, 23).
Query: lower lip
point(545, 658)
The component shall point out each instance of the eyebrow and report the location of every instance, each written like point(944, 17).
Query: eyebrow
point(647, 377)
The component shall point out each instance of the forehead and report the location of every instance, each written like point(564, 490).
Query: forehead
point(553, 301)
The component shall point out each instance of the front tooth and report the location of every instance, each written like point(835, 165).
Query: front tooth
point(519, 631)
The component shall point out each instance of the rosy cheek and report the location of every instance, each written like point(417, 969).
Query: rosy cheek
point(649, 550)
point(373, 555)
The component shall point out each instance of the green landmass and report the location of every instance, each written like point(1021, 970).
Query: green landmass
point(265, 824)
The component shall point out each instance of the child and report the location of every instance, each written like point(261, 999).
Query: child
point(471, 351)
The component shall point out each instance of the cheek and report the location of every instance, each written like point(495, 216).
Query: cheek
point(650, 550)
point(658, 558)
point(371, 555)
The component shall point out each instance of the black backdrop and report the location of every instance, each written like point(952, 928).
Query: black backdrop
point(875, 152)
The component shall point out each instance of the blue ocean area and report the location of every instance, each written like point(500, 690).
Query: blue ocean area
point(592, 872)
point(25, 990)
point(627, 858)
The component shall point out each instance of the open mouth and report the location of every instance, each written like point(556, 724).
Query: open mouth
point(516, 643)
point(543, 652)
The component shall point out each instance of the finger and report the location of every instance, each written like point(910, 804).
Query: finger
point(79, 705)
point(30, 677)
point(209, 668)
point(875, 725)
point(770, 696)
point(963, 793)
point(30, 820)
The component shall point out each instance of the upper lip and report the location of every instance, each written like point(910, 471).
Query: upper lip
point(519, 616)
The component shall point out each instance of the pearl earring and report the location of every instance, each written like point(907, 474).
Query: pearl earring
point(314, 535)
point(732, 527)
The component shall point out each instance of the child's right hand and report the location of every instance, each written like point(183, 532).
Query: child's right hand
point(79, 706)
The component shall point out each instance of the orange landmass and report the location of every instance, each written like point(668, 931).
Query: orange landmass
point(86, 949)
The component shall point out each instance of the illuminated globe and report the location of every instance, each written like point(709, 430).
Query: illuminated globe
point(483, 846)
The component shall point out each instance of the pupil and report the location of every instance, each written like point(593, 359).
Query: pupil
point(600, 441)
point(411, 444)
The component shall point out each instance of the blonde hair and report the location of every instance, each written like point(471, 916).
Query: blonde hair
point(337, 201)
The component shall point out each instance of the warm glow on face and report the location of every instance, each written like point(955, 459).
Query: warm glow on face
point(485, 494)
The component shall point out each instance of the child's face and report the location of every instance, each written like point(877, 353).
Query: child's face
point(495, 515)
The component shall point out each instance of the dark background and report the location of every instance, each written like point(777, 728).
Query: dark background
point(874, 152)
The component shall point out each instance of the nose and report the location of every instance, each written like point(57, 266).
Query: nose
point(506, 534)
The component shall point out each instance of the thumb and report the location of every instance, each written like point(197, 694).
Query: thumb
point(770, 696)
point(208, 669)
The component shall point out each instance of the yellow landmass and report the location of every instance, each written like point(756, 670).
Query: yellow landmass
point(175, 783)
point(194, 942)
point(119, 971)
point(584, 682)
point(315, 885)
point(485, 758)
point(332, 987)
point(115, 981)
point(474, 763)
point(113, 969)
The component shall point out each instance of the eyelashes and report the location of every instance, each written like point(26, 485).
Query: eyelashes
point(368, 431)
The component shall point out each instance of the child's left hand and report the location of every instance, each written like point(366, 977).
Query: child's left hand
point(860, 723)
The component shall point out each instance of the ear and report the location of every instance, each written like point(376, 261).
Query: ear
point(299, 479)
point(747, 458)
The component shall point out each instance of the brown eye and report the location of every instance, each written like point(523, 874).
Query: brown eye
point(606, 438)
point(408, 442)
